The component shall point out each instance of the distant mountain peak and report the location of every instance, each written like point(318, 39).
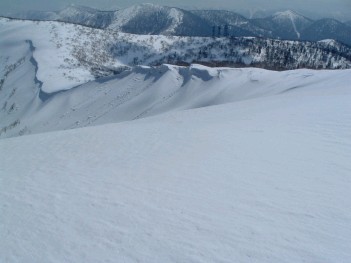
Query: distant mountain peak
point(151, 5)
point(289, 15)
point(154, 19)
point(285, 13)
point(288, 12)
point(330, 42)
point(146, 7)
point(79, 8)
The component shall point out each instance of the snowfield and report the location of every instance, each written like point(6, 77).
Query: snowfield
point(262, 179)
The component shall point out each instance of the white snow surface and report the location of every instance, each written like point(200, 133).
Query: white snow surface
point(264, 178)
point(53, 45)
point(146, 91)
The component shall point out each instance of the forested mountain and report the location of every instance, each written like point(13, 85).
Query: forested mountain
point(328, 28)
point(155, 19)
point(285, 25)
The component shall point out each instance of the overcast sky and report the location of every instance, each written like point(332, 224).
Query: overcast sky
point(325, 7)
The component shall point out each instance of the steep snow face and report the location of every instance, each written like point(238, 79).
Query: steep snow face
point(261, 180)
point(144, 92)
point(52, 44)
point(18, 86)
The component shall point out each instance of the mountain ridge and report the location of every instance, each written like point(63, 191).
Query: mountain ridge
point(56, 58)
point(78, 54)
point(157, 19)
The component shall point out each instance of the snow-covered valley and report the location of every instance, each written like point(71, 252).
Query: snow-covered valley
point(130, 163)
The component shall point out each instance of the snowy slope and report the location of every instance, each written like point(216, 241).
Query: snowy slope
point(53, 74)
point(51, 45)
point(260, 180)
point(145, 91)
point(286, 25)
point(151, 19)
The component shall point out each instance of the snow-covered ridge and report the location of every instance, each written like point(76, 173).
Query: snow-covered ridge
point(52, 42)
point(144, 91)
point(44, 62)
point(330, 42)
point(150, 19)
point(69, 55)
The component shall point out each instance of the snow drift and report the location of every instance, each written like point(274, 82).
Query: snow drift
point(143, 92)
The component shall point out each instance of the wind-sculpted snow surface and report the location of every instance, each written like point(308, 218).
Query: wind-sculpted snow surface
point(147, 91)
point(263, 179)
